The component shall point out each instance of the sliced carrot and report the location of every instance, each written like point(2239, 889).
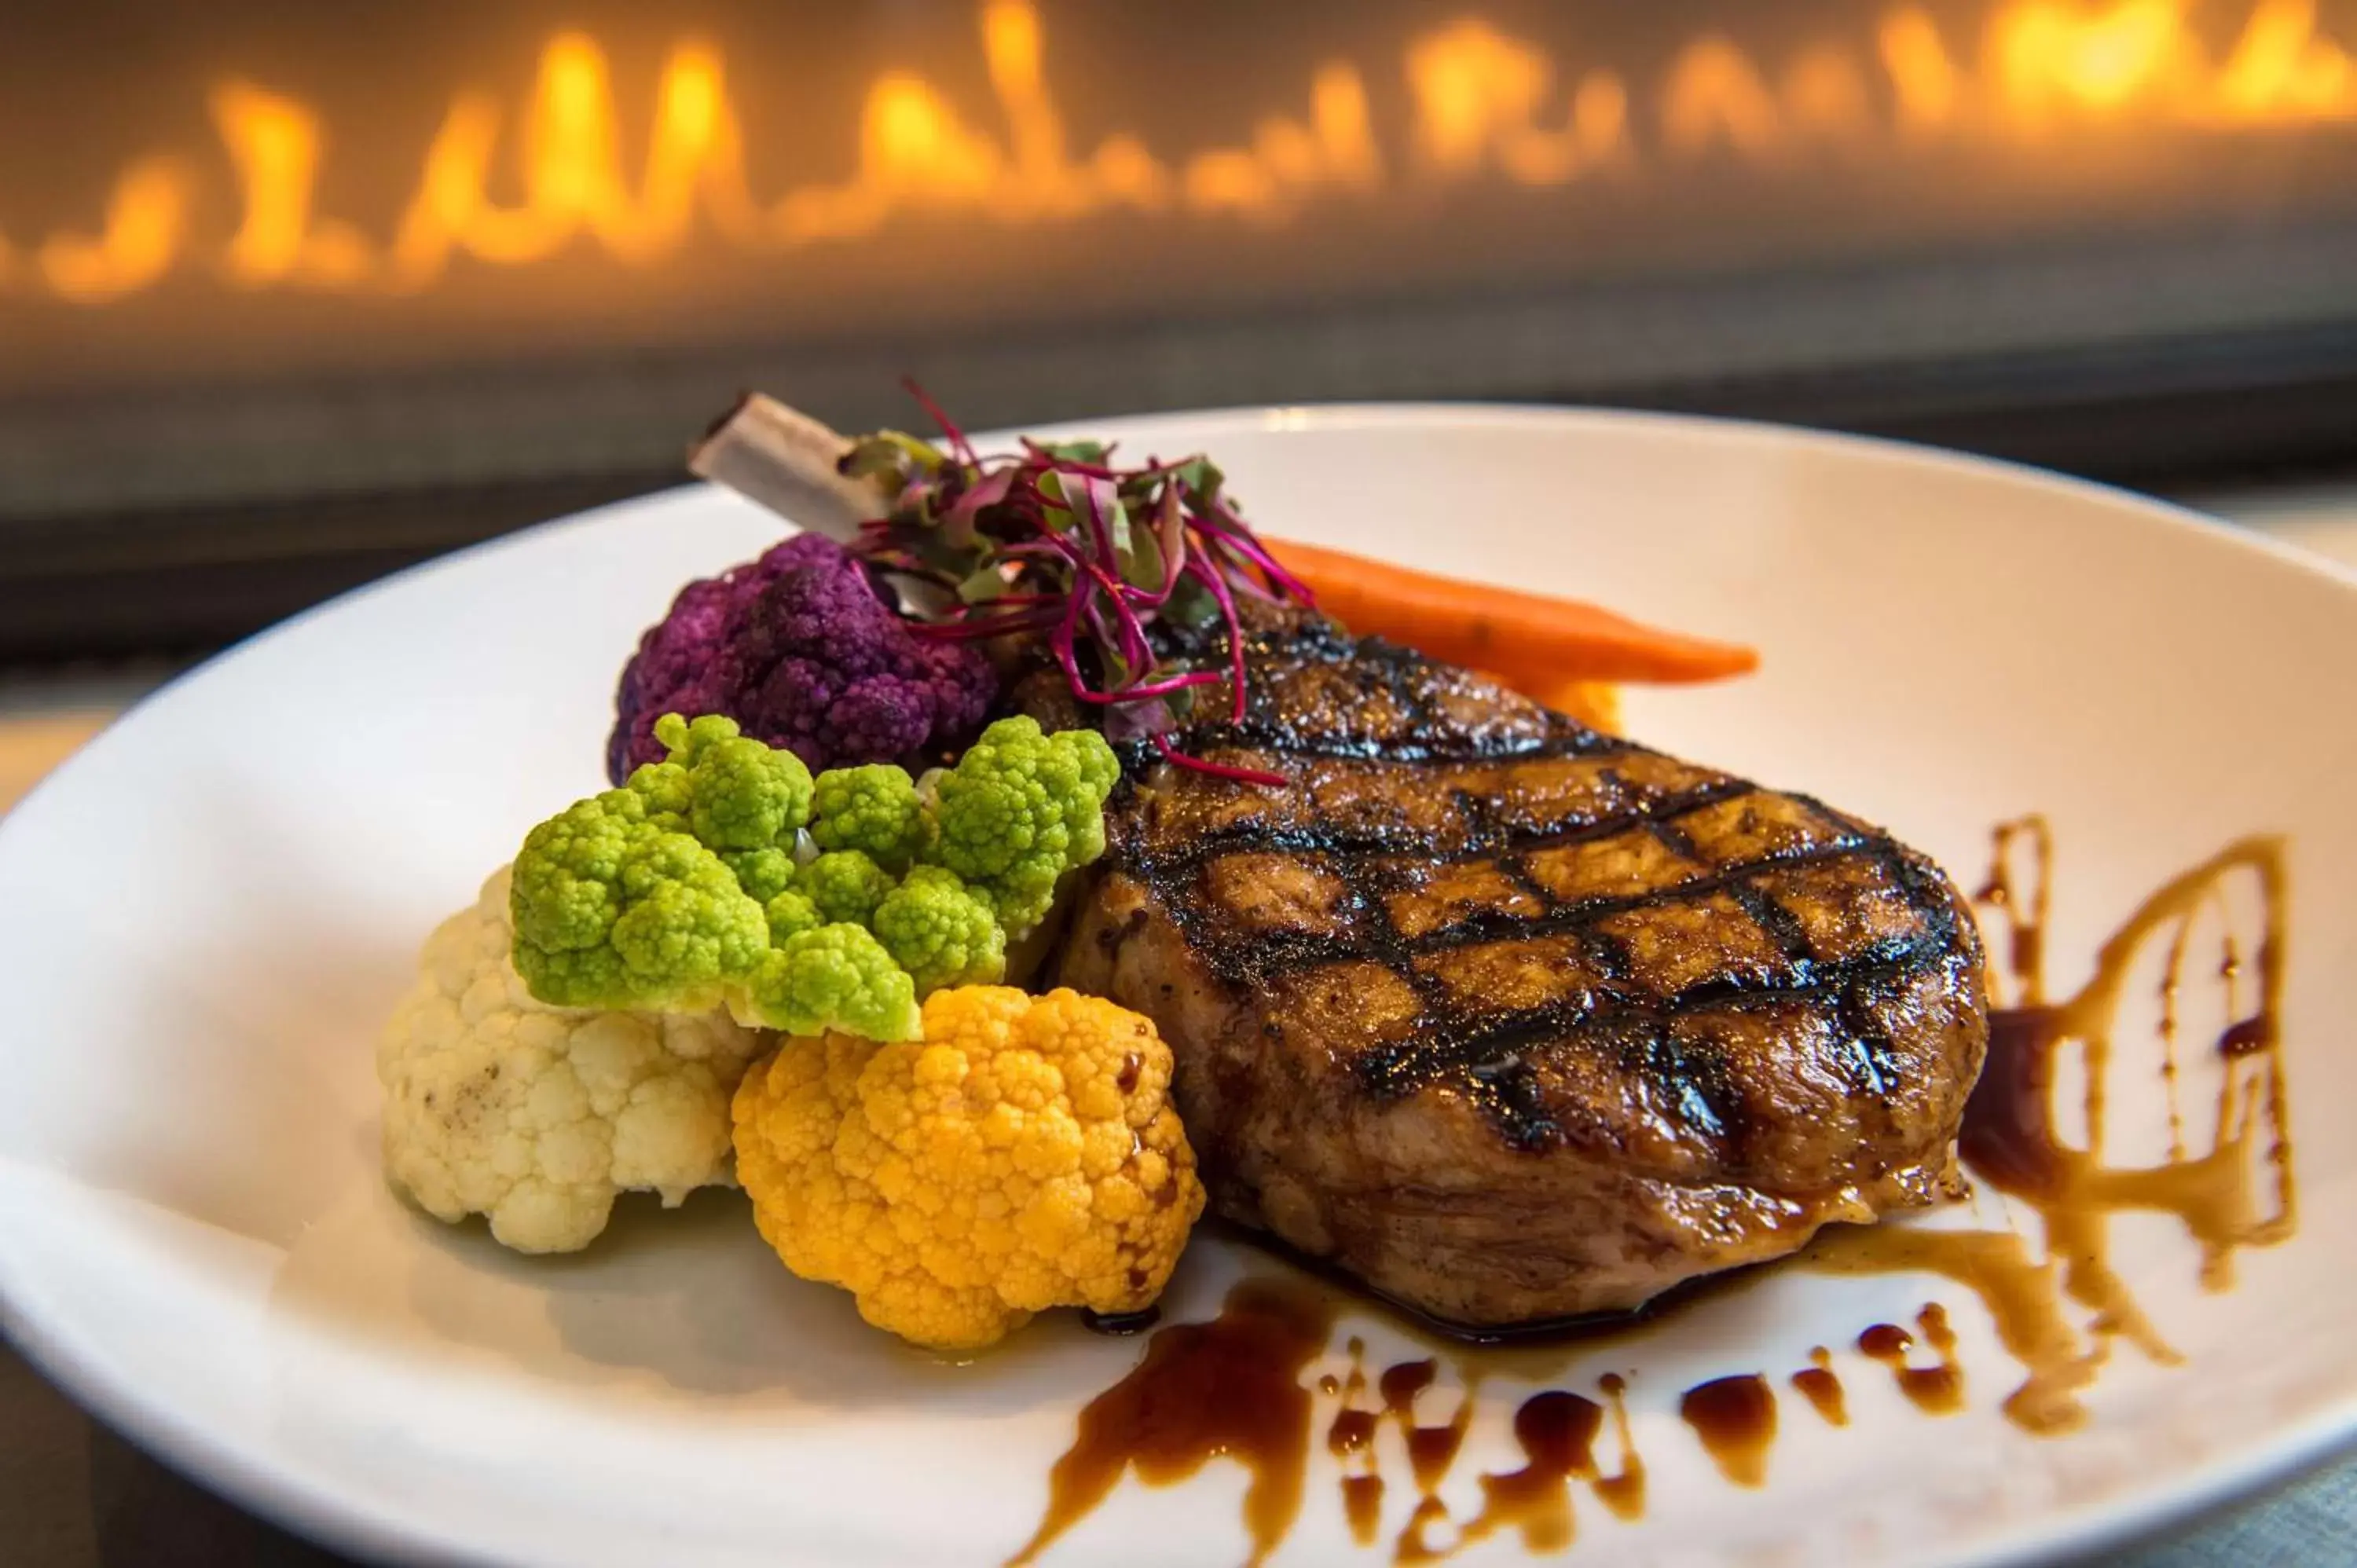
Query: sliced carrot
point(1529, 639)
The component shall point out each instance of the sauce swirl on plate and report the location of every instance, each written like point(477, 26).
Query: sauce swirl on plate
point(2238, 1191)
point(1248, 1384)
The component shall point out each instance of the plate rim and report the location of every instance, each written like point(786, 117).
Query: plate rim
point(261, 1479)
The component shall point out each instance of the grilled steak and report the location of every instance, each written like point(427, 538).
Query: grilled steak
point(1513, 1020)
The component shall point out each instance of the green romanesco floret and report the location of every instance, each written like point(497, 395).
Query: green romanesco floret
point(612, 909)
point(762, 872)
point(1020, 810)
point(873, 809)
point(664, 790)
point(938, 930)
point(835, 977)
point(845, 886)
point(708, 880)
point(735, 793)
point(790, 914)
point(737, 797)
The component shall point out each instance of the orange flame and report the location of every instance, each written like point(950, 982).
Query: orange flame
point(145, 220)
point(2052, 56)
point(1483, 105)
point(1480, 95)
point(276, 145)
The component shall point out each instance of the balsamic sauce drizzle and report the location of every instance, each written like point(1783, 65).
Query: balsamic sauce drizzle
point(1231, 1387)
point(1821, 1387)
point(1935, 1390)
point(2238, 1192)
point(1736, 1419)
point(1235, 1385)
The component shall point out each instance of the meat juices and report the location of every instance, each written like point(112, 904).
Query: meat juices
point(1513, 1020)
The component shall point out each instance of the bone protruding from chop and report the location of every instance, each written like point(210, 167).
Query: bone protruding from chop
point(1514, 1020)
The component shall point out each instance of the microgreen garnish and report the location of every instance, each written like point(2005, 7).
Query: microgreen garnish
point(1059, 541)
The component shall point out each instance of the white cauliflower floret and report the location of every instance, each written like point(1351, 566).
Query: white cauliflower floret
point(538, 1116)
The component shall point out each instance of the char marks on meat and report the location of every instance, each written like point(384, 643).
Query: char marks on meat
point(1514, 1020)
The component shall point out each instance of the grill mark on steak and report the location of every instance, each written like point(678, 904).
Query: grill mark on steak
point(1473, 1052)
point(1426, 727)
point(1515, 1018)
point(1481, 833)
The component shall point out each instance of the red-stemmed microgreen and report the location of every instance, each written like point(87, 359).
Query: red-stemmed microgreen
point(1057, 542)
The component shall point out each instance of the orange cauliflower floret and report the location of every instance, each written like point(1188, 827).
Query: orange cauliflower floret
point(1023, 1156)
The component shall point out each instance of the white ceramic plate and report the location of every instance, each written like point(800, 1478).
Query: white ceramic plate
point(208, 913)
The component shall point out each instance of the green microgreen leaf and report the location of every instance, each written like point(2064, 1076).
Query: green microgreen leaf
point(983, 586)
point(1202, 476)
point(1141, 557)
point(891, 453)
point(1191, 606)
point(1172, 527)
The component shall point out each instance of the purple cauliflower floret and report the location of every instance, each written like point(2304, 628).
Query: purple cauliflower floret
point(797, 648)
point(945, 670)
point(878, 715)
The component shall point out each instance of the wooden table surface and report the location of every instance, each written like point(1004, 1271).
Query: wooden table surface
point(32, 743)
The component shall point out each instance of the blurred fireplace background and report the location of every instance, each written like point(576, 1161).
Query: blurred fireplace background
point(292, 296)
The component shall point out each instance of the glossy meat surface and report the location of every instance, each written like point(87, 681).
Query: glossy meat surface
point(1514, 1020)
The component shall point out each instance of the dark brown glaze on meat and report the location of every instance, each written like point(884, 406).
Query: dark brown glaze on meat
point(1514, 1020)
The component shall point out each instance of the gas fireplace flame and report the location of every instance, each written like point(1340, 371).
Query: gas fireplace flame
point(1483, 105)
